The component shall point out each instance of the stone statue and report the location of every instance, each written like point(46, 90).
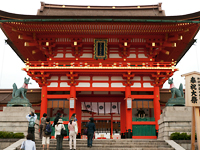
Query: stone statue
point(179, 100)
point(18, 93)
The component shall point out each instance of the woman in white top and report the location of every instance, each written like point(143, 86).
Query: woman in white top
point(58, 135)
point(29, 144)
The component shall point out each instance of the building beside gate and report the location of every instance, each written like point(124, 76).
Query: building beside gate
point(104, 62)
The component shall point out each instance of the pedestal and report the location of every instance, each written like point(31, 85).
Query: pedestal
point(13, 119)
point(174, 119)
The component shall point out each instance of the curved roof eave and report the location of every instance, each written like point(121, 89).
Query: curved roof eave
point(6, 15)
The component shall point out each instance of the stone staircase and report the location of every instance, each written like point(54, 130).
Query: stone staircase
point(121, 144)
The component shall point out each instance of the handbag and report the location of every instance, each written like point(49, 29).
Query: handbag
point(63, 132)
point(76, 129)
point(85, 132)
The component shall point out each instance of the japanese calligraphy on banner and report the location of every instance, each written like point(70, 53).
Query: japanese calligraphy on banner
point(192, 89)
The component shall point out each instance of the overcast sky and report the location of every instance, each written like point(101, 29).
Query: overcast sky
point(10, 64)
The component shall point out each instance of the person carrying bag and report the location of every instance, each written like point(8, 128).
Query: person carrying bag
point(72, 133)
point(58, 127)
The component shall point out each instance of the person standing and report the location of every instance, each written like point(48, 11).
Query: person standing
point(72, 134)
point(58, 115)
point(58, 135)
point(46, 132)
point(29, 144)
point(90, 131)
point(43, 122)
point(31, 125)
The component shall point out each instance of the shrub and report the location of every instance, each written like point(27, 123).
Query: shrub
point(10, 135)
point(175, 136)
point(180, 136)
point(18, 135)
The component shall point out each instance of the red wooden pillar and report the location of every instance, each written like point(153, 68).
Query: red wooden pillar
point(128, 111)
point(78, 114)
point(122, 116)
point(156, 106)
point(43, 107)
point(72, 95)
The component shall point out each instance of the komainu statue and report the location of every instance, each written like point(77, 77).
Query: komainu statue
point(19, 95)
point(177, 98)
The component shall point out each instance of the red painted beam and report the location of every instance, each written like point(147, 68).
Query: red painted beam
point(143, 123)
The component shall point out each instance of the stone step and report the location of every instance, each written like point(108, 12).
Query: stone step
point(108, 148)
point(113, 145)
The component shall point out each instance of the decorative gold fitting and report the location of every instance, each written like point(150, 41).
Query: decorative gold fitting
point(47, 43)
point(125, 44)
point(180, 37)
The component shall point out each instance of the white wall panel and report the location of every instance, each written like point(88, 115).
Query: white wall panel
point(87, 78)
point(86, 55)
point(147, 78)
point(100, 85)
point(142, 56)
point(64, 84)
point(114, 56)
point(100, 78)
point(53, 84)
point(147, 85)
point(69, 55)
point(53, 78)
point(117, 85)
point(136, 85)
point(132, 56)
point(64, 78)
point(117, 78)
point(59, 55)
point(136, 78)
point(83, 84)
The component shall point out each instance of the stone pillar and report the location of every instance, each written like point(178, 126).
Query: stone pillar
point(174, 119)
point(13, 119)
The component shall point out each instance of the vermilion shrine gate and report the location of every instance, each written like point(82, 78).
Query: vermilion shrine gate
point(103, 62)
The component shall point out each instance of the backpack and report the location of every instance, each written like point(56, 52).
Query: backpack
point(31, 122)
point(48, 129)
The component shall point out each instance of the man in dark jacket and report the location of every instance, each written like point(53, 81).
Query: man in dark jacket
point(90, 131)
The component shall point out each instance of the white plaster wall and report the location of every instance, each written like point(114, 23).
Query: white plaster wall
point(100, 78)
point(53, 84)
point(100, 85)
point(147, 85)
point(136, 85)
point(83, 84)
point(64, 84)
point(114, 56)
point(136, 78)
point(59, 55)
point(64, 78)
point(86, 55)
point(53, 78)
point(117, 85)
point(69, 55)
point(87, 78)
point(116, 78)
